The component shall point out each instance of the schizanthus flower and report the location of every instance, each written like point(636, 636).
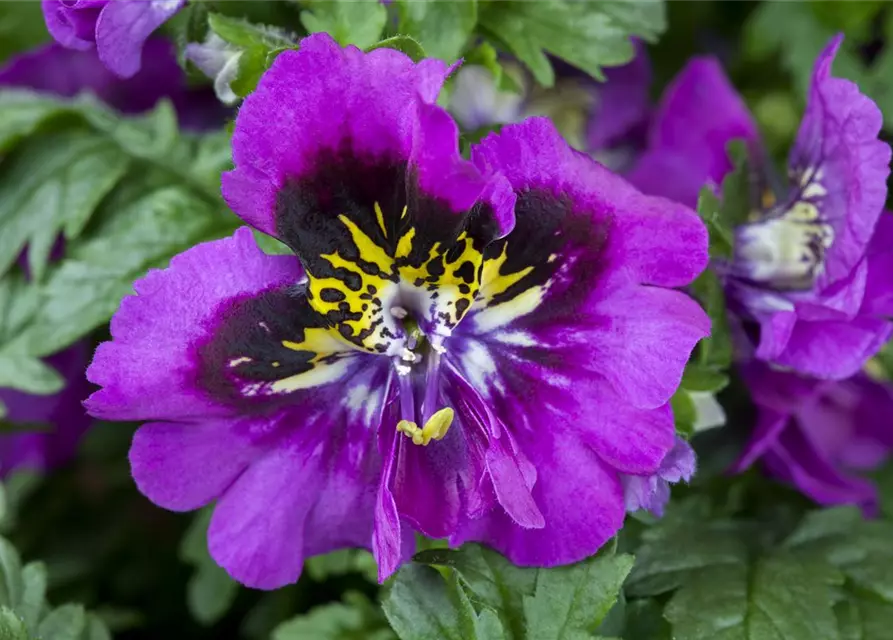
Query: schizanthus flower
point(800, 279)
point(473, 350)
point(117, 28)
point(819, 434)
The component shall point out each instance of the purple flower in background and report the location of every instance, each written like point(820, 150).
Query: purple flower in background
point(53, 69)
point(652, 493)
point(61, 413)
point(799, 277)
point(606, 119)
point(117, 28)
point(473, 350)
point(818, 435)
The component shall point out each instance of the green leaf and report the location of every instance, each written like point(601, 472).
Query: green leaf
point(241, 33)
point(28, 374)
point(12, 586)
point(352, 620)
point(780, 596)
point(68, 622)
point(685, 413)
point(645, 621)
point(96, 629)
point(562, 603)
point(442, 28)
point(342, 562)
point(406, 44)
point(421, 605)
point(700, 378)
point(34, 579)
point(146, 230)
point(570, 602)
point(715, 351)
point(357, 22)
point(588, 34)
point(11, 626)
point(53, 183)
point(210, 592)
point(490, 579)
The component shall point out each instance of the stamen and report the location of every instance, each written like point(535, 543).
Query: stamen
point(435, 428)
point(399, 312)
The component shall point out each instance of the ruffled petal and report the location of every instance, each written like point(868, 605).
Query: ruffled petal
point(581, 500)
point(123, 28)
point(72, 24)
point(370, 190)
point(838, 163)
point(699, 114)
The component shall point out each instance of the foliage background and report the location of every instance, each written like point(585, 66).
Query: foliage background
point(735, 557)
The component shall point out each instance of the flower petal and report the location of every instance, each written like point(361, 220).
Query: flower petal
point(123, 28)
point(182, 467)
point(699, 114)
point(833, 350)
point(581, 502)
point(878, 299)
point(72, 25)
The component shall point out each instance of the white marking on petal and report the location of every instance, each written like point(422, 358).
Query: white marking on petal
point(492, 317)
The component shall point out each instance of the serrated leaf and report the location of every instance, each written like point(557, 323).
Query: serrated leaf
point(406, 44)
point(11, 626)
point(52, 183)
point(357, 22)
point(421, 605)
point(570, 602)
point(67, 622)
point(588, 34)
point(780, 597)
point(490, 579)
point(671, 555)
point(147, 229)
point(442, 28)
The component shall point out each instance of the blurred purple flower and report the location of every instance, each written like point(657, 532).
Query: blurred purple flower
point(117, 28)
point(800, 280)
point(818, 435)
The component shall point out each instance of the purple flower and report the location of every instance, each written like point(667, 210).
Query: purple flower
point(60, 417)
point(117, 28)
point(653, 492)
point(606, 119)
point(799, 278)
point(473, 350)
point(53, 69)
point(818, 434)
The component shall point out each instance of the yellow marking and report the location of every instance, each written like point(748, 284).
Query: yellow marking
point(403, 213)
point(491, 317)
point(274, 364)
point(767, 199)
point(369, 251)
point(493, 282)
point(235, 362)
point(435, 429)
point(317, 340)
point(380, 217)
point(404, 245)
point(319, 375)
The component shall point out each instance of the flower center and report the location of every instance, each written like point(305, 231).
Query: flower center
point(418, 376)
point(786, 251)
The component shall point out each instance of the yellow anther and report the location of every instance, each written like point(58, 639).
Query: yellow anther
point(435, 429)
